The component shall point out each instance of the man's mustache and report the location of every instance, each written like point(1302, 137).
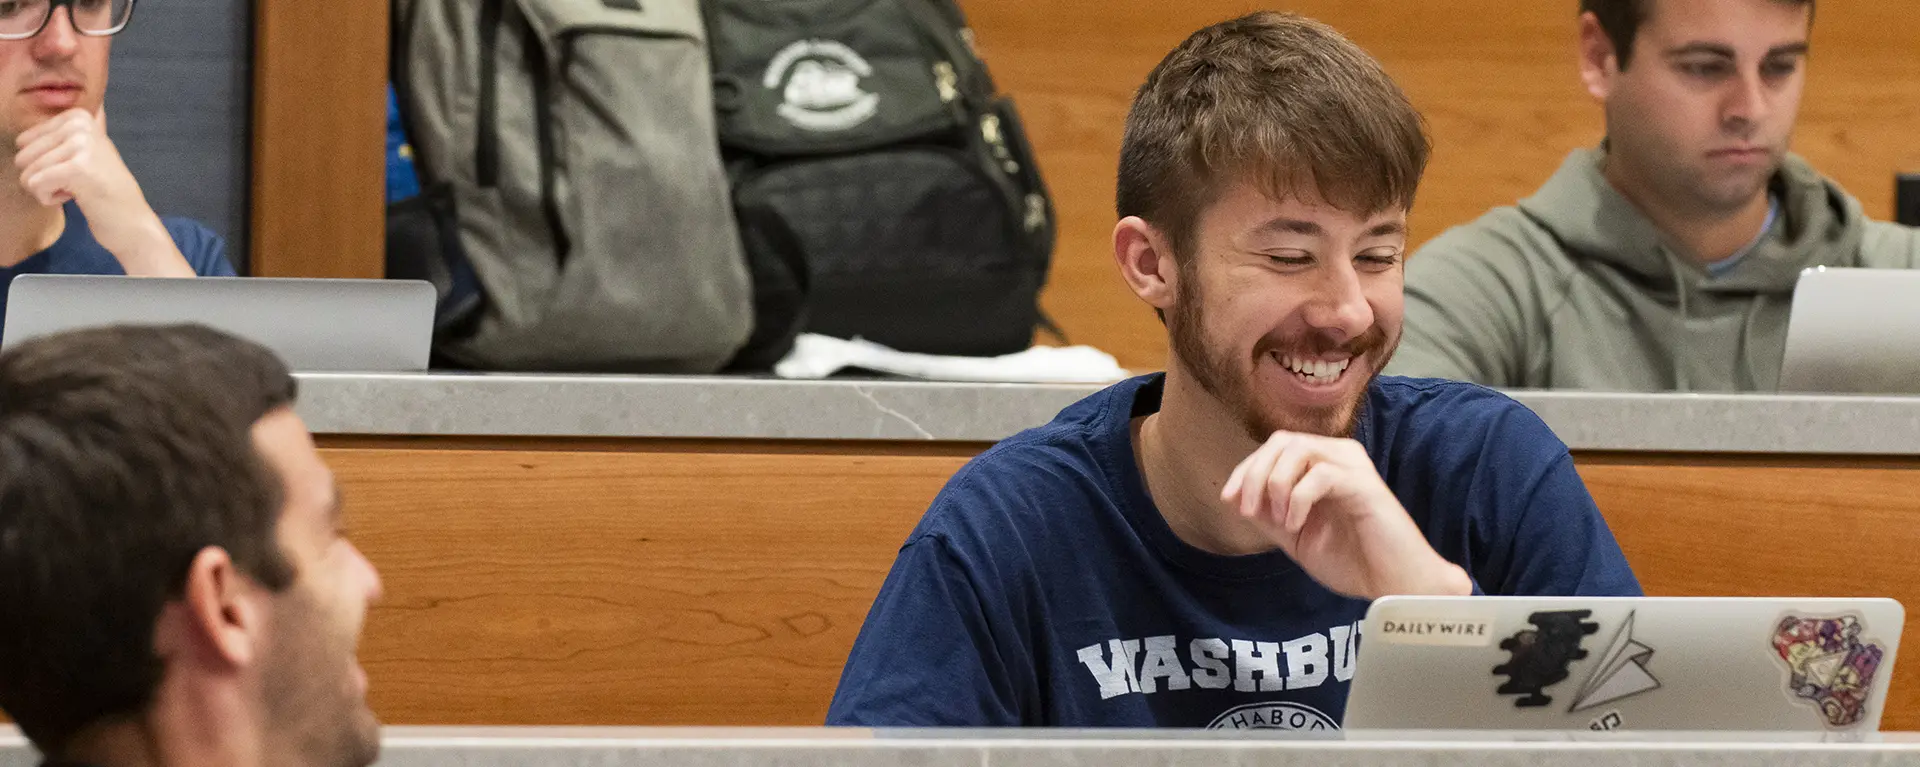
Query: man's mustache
point(1321, 345)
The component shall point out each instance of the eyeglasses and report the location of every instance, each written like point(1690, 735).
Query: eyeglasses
point(23, 19)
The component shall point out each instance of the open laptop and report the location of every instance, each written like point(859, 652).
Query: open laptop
point(313, 324)
point(1624, 663)
point(1854, 331)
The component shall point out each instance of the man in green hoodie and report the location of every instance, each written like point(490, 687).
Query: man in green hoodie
point(1666, 259)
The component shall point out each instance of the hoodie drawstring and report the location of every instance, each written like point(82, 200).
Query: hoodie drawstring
point(1679, 373)
point(1742, 352)
point(1746, 337)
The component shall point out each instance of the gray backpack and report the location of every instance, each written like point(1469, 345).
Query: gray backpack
point(574, 143)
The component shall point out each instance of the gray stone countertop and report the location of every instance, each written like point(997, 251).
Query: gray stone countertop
point(703, 747)
point(463, 404)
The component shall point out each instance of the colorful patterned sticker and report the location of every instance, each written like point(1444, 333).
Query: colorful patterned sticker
point(1828, 665)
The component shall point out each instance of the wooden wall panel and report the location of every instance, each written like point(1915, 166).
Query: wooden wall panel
point(723, 583)
point(319, 139)
point(564, 587)
point(1495, 79)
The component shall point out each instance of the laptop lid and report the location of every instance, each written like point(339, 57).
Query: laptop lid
point(1624, 663)
point(313, 324)
point(1854, 331)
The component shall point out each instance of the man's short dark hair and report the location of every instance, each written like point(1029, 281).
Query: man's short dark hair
point(124, 452)
point(1621, 20)
point(1274, 99)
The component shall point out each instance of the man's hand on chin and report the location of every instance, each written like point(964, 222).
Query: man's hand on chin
point(1321, 500)
point(69, 157)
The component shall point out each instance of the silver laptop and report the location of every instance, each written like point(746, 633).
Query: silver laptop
point(1854, 331)
point(313, 324)
point(1618, 663)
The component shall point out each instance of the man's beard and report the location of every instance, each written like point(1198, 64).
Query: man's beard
point(1230, 381)
point(313, 707)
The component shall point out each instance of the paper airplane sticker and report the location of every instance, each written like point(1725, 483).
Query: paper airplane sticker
point(1620, 674)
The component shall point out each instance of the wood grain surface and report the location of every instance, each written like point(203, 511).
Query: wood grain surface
point(716, 584)
point(560, 587)
point(319, 139)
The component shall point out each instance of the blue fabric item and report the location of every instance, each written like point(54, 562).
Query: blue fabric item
point(1043, 587)
point(1721, 267)
point(76, 252)
point(403, 180)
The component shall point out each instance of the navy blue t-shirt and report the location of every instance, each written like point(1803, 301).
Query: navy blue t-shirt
point(1043, 587)
point(76, 252)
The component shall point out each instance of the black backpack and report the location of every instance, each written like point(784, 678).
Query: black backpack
point(884, 189)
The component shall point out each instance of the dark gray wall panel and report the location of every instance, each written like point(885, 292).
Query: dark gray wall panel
point(178, 105)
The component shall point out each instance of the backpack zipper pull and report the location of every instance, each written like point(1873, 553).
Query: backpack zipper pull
point(1035, 215)
point(1036, 212)
point(997, 141)
point(947, 81)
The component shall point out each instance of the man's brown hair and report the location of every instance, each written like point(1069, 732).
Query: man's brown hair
point(124, 451)
point(1621, 20)
point(1275, 99)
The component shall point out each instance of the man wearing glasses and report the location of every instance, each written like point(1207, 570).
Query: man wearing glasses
point(75, 208)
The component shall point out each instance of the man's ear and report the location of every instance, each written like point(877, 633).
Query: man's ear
point(1599, 62)
point(1146, 262)
point(219, 618)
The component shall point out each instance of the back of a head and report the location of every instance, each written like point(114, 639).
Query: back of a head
point(1277, 100)
point(124, 451)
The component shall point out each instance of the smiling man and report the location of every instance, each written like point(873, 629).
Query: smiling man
point(175, 584)
point(1667, 258)
point(72, 206)
point(1197, 548)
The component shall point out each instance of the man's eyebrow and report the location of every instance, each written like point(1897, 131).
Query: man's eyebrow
point(1715, 49)
point(1790, 49)
point(1292, 226)
point(1387, 228)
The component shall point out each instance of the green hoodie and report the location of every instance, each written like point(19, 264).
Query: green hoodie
point(1575, 289)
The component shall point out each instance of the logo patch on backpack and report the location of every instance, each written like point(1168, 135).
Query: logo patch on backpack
point(819, 86)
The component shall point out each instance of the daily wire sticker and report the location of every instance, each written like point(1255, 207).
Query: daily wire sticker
point(1466, 628)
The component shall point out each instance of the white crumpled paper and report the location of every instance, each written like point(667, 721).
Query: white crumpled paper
point(817, 356)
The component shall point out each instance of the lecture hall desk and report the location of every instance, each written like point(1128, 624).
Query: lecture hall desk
point(853, 747)
point(604, 550)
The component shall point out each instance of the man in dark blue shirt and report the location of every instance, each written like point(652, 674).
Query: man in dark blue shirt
point(1196, 549)
point(73, 207)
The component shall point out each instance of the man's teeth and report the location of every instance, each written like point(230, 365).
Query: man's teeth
point(1315, 368)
